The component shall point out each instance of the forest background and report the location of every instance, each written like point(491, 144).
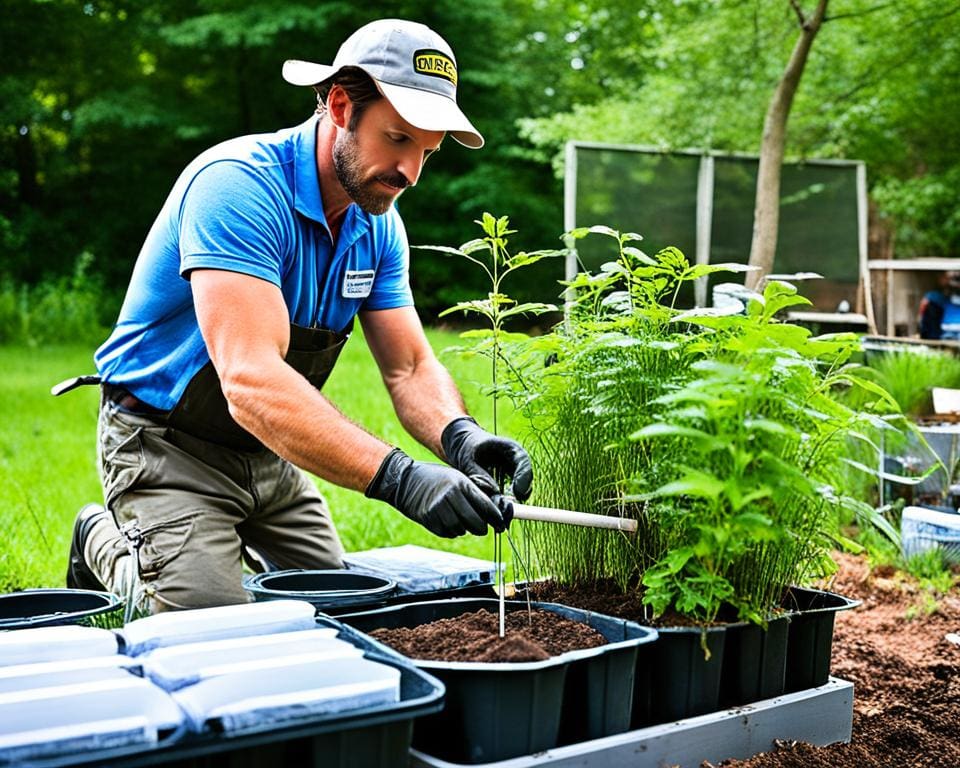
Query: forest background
point(102, 103)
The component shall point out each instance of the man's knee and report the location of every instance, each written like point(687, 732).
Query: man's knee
point(188, 560)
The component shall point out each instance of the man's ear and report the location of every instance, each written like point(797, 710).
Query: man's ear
point(339, 106)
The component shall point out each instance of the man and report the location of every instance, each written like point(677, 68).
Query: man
point(940, 310)
point(242, 296)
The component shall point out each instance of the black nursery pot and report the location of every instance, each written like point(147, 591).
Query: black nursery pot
point(675, 678)
point(498, 711)
point(51, 607)
point(810, 638)
point(754, 662)
point(330, 591)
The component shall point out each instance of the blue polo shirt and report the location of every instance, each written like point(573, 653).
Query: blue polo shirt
point(250, 205)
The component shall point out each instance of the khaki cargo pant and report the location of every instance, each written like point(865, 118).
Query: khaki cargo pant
point(191, 504)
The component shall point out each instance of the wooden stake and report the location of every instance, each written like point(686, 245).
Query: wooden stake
point(549, 515)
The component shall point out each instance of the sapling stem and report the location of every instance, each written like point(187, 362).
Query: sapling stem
point(498, 556)
point(526, 575)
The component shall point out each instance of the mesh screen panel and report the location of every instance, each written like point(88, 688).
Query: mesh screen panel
point(655, 194)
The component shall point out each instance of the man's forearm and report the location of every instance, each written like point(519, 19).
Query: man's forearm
point(292, 418)
point(426, 399)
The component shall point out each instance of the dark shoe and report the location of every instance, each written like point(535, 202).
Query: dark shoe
point(79, 575)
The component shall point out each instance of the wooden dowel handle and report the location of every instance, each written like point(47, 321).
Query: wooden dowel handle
point(549, 515)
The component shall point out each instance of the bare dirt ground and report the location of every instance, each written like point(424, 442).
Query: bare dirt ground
point(905, 666)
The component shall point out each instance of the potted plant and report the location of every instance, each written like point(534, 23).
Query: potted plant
point(720, 432)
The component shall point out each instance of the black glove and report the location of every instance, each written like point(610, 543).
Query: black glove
point(478, 454)
point(441, 499)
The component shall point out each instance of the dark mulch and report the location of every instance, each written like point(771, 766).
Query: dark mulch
point(532, 636)
point(607, 598)
point(906, 676)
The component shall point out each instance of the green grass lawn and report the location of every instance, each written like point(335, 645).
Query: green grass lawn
point(48, 456)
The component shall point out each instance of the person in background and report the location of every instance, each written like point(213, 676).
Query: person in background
point(243, 295)
point(940, 309)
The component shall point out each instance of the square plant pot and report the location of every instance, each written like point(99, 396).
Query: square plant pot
point(679, 675)
point(497, 711)
point(754, 662)
point(810, 637)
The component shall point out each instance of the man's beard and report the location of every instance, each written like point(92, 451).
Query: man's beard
point(365, 193)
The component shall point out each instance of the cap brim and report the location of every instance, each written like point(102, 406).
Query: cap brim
point(432, 112)
point(306, 72)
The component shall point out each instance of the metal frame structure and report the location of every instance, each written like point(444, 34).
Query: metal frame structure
point(704, 215)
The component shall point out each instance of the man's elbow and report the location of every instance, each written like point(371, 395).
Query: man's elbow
point(242, 386)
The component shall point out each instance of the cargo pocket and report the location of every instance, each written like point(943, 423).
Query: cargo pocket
point(122, 463)
point(162, 542)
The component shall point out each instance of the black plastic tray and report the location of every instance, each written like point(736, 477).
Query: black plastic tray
point(374, 736)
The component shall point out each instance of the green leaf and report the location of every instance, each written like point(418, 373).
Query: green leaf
point(698, 484)
point(489, 224)
point(873, 388)
point(529, 308)
point(638, 255)
point(758, 526)
point(524, 259)
point(479, 306)
point(445, 249)
point(774, 304)
point(600, 229)
point(472, 246)
point(769, 426)
point(478, 333)
point(677, 559)
point(660, 429)
point(702, 270)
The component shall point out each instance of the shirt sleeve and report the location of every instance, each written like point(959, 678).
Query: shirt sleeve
point(391, 285)
point(233, 218)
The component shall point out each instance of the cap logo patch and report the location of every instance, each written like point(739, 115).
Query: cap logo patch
point(435, 64)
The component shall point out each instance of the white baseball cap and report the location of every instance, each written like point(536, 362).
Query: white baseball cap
point(412, 66)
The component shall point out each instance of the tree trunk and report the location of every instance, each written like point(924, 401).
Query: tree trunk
point(766, 215)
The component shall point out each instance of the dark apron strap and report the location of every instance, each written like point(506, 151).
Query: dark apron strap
point(202, 409)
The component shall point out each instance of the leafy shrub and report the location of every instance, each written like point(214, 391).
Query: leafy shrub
point(719, 431)
point(908, 376)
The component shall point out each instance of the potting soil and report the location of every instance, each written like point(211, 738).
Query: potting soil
point(529, 636)
point(602, 597)
point(609, 599)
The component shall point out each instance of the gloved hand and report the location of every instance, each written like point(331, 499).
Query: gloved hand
point(478, 454)
point(443, 500)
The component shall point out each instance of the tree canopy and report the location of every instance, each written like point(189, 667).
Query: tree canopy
point(104, 102)
point(877, 87)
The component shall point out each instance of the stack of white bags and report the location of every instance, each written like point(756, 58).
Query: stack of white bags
point(74, 689)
